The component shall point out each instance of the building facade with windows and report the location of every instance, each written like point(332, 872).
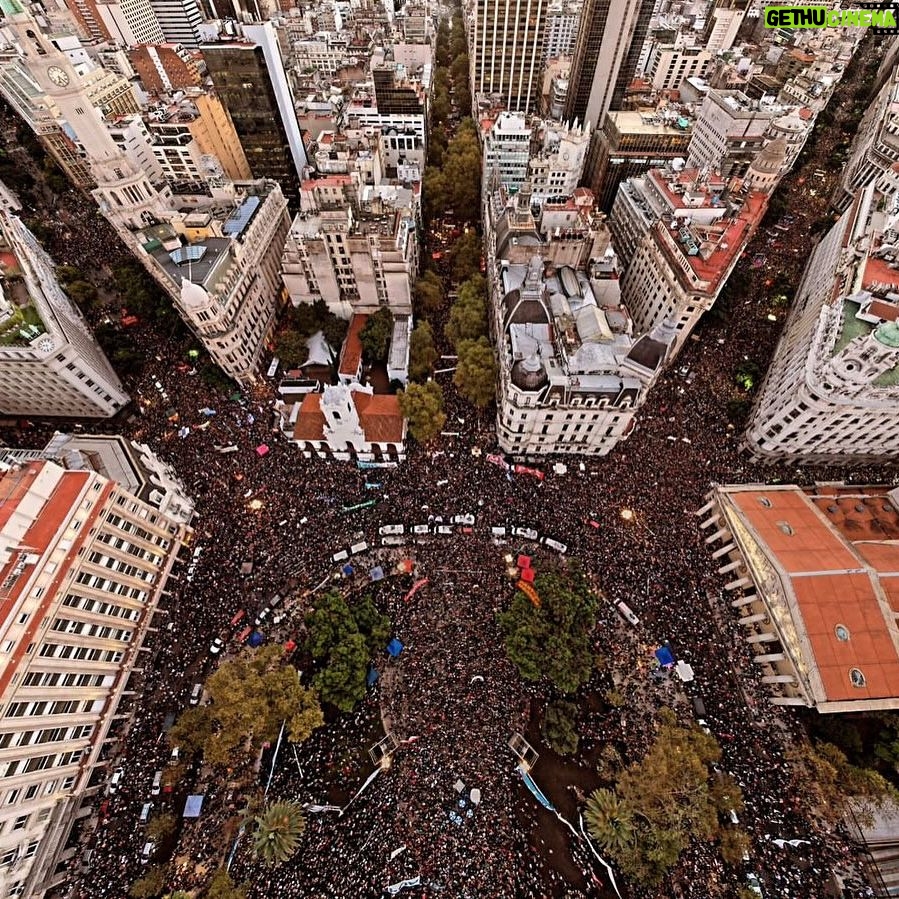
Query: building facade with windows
point(83, 568)
point(507, 51)
point(680, 235)
point(832, 387)
point(50, 364)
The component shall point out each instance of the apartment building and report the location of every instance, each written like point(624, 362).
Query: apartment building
point(680, 233)
point(356, 254)
point(507, 51)
point(83, 568)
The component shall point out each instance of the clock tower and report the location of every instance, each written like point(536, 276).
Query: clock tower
point(123, 191)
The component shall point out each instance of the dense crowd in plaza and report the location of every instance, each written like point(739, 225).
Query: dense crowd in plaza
point(655, 561)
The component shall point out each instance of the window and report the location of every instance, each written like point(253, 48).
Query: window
point(857, 677)
point(20, 823)
point(842, 632)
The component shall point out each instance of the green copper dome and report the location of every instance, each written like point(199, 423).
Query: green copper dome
point(888, 334)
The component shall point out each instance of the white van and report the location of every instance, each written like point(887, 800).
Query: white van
point(527, 533)
point(341, 556)
point(157, 784)
point(195, 694)
point(498, 531)
point(149, 849)
point(115, 780)
point(357, 548)
point(557, 545)
point(627, 614)
point(390, 530)
point(392, 541)
point(145, 812)
point(421, 529)
point(463, 519)
point(443, 529)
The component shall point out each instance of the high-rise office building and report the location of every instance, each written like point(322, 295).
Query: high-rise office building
point(180, 21)
point(250, 81)
point(507, 51)
point(609, 41)
point(83, 567)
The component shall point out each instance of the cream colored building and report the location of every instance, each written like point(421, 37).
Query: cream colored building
point(831, 390)
point(83, 567)
point(50, 364)
point(215, 135)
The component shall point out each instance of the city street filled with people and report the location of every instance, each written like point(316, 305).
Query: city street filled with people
point(451, 698)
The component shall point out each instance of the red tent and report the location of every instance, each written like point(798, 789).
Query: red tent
point(528, 575)
point(524, 562)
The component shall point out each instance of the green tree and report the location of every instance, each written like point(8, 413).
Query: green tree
point(427, 294)
point(162, 827)
point(476, 371)
point(462, 172)
point(668, 798)
point(251, 696)
point(465, 256)
point(344, 638)
point(422, 405)
point(826, 779)
point(552, 639)
point(459, 74)
point(277, 834)
point(468, 314)
point(375, 335)
point(422, 354)
point(342, 681)
point(223, 887)
point(149, 886)
point(291, 349)
point(560, 727)
point(609, 821)
point(434, 188)
point(82, 292)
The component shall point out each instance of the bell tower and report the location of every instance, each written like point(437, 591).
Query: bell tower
point(124, 193)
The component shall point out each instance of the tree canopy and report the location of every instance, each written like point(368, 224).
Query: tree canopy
point(427, 294)
point(375, 335)
point(457, 185)
point(465, 256)
point(343, 638)
point(476, 371)
point(223, 887)
point(422, 353)
point(662, 802)
point(422, 404)
point(468, 314)
point(250, 697)
point(277, 834)
point(552, 640)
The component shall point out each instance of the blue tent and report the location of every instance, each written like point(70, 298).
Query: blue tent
point(347, 570)
point(665, 656)
point(394, 647)
point(371, 677)
point(377, 573)
point(193, 806)
point(255, 639)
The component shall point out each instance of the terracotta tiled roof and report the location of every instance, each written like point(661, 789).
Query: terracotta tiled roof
point(352, 347)
point(310, 424)
point(886, 311)
point(836, 582)
point(380, 417)
point(382, 421)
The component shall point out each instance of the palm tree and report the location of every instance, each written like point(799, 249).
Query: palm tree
point(278, 830)
point(609, 820)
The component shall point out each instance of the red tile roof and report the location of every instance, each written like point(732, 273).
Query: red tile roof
point(379, 415)
point(351, 357)
point(382, 421)
point(836, 581)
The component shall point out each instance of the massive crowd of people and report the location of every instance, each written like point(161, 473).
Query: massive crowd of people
point(654, 560)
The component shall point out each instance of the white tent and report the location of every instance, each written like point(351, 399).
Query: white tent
point(319, 351)
point(684, 671)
